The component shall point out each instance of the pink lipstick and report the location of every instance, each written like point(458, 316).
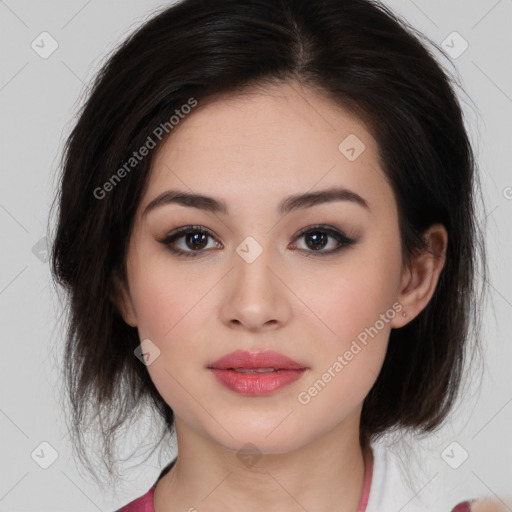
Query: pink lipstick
point(256, 373)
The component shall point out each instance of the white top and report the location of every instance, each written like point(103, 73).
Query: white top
point(391, 490)
point(388, 491)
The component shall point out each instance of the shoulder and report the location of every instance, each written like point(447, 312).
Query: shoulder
point(394, 488)
point(142, 504)
point(388, 491)
point(398, 486)
point(145, 503)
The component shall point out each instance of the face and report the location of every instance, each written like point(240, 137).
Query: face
point(315, 280)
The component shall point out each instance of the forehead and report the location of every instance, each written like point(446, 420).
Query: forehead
point(266, 144)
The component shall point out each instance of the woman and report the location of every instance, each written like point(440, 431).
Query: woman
point(267, 230)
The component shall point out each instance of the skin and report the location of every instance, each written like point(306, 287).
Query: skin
point(492, 505)
point(252, 151)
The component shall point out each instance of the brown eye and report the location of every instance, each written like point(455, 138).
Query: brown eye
point(194, 239)
point(318, 238)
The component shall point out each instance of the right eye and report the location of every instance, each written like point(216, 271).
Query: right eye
point(194, 238)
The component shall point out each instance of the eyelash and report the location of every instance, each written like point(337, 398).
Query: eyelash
point(340, 237)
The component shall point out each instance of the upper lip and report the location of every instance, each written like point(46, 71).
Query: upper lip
point(254, 360)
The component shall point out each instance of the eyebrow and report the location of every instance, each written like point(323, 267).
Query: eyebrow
point(291, 203)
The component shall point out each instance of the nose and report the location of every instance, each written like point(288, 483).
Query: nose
point(255, 297)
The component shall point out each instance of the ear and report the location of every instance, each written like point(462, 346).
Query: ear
point(419, 281)
point(120, 297)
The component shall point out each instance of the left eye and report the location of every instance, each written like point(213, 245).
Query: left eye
point(317, 238)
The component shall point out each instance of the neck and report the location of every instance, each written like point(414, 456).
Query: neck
point(327, 474)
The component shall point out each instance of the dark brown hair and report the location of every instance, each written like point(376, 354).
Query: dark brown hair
point(365, 59)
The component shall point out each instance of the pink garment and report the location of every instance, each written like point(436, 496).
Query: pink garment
point(142, 504)
point(465, 506)
point(368, 472)
point(145, 503)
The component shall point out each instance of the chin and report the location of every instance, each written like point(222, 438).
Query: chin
point(259, 442)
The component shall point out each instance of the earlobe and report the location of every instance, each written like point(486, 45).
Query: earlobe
point(120, 297)
point(420, 280)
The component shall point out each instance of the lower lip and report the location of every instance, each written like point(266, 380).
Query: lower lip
point(255, 384)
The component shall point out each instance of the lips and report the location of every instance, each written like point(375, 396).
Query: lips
point(253, 374)
point(263, 362)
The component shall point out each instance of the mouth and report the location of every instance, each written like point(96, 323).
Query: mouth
point(259, 373)
point(255, 370)
point(261, 362)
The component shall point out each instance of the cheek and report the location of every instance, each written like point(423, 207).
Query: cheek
point(172, 311)
point(162, 295)
point(351, 349)
point(354, 311)
point(169, 313)
point(158, 308)
point(359, 319)
point(351, 297)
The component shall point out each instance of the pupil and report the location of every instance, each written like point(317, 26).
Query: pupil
point(318, 240)
point(197, 238)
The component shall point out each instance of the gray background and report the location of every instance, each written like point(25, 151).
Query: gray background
point(38, 98)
